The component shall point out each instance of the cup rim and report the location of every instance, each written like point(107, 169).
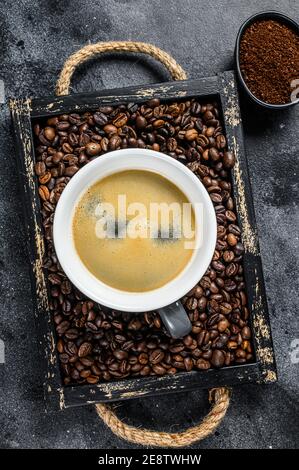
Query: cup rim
point(272, 14)
point(74, 268)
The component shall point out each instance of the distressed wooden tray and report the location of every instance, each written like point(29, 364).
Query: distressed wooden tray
point(263, 370)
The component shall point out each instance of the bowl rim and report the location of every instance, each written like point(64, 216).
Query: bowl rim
point(274, 14)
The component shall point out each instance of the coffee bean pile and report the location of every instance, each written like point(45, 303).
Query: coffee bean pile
point(96, 344)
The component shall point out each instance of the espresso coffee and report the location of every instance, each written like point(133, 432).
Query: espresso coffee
point(134, 230)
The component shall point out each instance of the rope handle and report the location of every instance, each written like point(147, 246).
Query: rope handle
point(220, 397)
point(91, 50)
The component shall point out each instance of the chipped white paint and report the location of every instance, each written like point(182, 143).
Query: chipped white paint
point(249, 236)
point(138, 393)
point(270, 376)
point(61, 398)
point(150, 92)
point(231, 111)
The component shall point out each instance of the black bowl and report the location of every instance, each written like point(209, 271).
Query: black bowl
point(273, 15)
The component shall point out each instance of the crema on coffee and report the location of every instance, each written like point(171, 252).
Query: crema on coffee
point(133, 230)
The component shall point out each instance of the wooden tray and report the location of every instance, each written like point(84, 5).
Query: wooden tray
point(222, 88)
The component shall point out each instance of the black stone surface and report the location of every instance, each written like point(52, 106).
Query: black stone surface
point(36, 37)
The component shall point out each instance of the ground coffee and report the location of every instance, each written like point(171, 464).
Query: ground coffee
point(269, 60)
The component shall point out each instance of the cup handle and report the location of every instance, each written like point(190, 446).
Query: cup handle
point(175, 319)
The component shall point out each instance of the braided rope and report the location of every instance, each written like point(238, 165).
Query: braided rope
point(219, 396)
point(93, 50)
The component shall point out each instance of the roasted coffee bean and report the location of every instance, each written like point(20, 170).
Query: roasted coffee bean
point(202, 303)
point(171, 371)
point(157, 322)
point(218, 266)
point(136, 367)
point(221, 142)
point(92, 379)
point(62, 327)
point(158, 369)
point(66, 287)
point(223, 325)
point(93, 149)
point(127, 345)
point(229, 160)
point(110, 129)
point(231, 239)
point(105, 109)
point(71, 333)
point(75, 375)
point(71, 348)
point(156, 356)
point(114, 142)
point(124, 367)
point(49, 133)
point(231, 216)
point(220, 341)
point(54, 279)
point(207, 352)
point(40, 168)
point(70, 171)
point(45, 178)
point(86, 361)
point(141, 122)
point(143, 358)
point(64, 358)
point(203, 364)
point(218, 358)
point(100, 118)
point(195, 108)
point(188, 363)
point(60, 346)
point(198, 292)
point(120, 120)
point(178, 358)
point(145, 371)
point(230, 285)
point(246, 333)
point(213, 319)
point(214, 154)
point(120, 354)
point(228, 256)
point(232, 345)
point(191, 134)
point(176, 348)
point(191, 303)
point(225, 308)
point(171, 144)
point(85, 349)
point(44, 192)
point(231, 270)
point(188, 340)
point(239, 249)
point(85, 373)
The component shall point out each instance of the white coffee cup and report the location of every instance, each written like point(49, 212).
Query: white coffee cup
point(165, 298)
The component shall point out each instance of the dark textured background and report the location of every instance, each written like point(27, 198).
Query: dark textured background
point(35, 39)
